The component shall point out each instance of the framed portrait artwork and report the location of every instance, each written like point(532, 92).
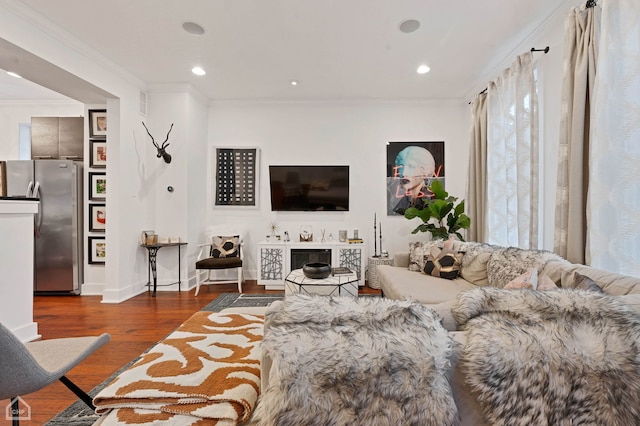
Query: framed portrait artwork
point(98, 154)
point(98, 123)
point(98, 186)
point(97, 250)
point(411, 167)
point(97, 217)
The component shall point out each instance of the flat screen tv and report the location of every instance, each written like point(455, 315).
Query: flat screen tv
point(309, 188)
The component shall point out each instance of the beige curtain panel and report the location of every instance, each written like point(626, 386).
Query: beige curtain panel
point(580, 58)
point(477, 184)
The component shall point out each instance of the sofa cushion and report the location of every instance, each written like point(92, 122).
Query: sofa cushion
point(443, 263)
point(507, 263)
point(474, 262)
point(402, 284)
point(583, 282)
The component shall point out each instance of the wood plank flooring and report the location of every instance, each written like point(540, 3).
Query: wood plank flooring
point(134, 326)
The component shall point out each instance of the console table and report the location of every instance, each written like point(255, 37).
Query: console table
point(153, 252)
point(274, 260)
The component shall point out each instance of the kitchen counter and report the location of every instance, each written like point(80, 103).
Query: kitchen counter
point(16, 264)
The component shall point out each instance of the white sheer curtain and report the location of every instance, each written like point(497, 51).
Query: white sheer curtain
point(614, 184)
point(512, 157)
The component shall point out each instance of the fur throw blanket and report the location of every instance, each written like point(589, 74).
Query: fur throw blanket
point(562, 357)
point(363, 361)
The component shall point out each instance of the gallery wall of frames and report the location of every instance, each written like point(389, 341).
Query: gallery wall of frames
point(97, 187)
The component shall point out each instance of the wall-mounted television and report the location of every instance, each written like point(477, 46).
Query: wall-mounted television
point(309, 188)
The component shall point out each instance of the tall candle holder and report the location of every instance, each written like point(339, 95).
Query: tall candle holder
point(375, 241)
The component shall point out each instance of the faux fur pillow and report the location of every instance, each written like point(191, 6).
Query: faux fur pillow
point(225, 246)
point(507, 263)
point(582, 282)
point(443, 263)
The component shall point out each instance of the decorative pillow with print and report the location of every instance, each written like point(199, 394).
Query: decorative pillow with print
point(443, 263)
point(225, 246)
point(418, 252)
point(582, 282)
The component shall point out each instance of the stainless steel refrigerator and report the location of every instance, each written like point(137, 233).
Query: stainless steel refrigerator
point(59, 263)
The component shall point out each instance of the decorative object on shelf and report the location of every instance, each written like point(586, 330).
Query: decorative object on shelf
point(342, 236)
point(97, 250)
point(374, 236)
point(316, 270)
point(98, 154)
point(330, 237)
point(273, 229)
point(375, 241)
point(236, 180)
point(286, 236)
point(306, 233)
point(323, 239)
point(384, 253)
point(144, 235)
point(98, 123)
point(3, 178)
point(162, 150)
point(355, 241)
point(448, 217)
point(97, 217)
point(174, 240)
point(411, 167)
point(98, 188)
point(355, 234)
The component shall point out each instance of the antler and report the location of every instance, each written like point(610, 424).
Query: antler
point(167, 138)
point(152, 139)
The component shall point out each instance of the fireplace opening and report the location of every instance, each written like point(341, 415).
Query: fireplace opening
point(301, 256)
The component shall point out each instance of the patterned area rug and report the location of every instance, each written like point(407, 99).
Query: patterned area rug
point(78, 414)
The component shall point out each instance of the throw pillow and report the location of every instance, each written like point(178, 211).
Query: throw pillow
point(582, 282)
point(474, 262)
point(443, 263)
point(545, 283)
point(528, 280)
point(225, 246)
point(418, 252)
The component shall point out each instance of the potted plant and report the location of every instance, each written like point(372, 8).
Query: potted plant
point(441, 216)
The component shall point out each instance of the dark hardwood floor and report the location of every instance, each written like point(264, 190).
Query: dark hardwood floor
point(134, 325)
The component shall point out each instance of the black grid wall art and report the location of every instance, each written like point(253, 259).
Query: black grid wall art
point(236, 177)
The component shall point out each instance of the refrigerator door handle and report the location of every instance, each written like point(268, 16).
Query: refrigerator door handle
point(36, 194)
point(29, 193)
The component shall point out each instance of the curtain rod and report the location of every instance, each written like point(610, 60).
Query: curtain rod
point(545, 50)
point(533, 49)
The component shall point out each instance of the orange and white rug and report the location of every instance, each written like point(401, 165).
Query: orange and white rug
point(207, 372)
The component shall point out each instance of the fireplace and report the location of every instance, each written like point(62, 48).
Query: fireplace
point(301, 256)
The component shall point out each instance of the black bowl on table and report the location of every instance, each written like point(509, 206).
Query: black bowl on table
point(316, 270)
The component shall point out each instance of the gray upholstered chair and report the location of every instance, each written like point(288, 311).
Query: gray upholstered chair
point(223, 252)
point(29, 367)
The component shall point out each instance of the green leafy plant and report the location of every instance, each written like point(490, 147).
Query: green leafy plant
point(441, 216)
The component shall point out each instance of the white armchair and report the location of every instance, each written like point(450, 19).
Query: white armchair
point(222, 253)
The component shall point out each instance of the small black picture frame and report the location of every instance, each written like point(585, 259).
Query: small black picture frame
point(97, 247)
point(98, 123)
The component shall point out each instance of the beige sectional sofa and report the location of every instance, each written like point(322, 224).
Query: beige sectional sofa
point(481, 266)
point(485, 265)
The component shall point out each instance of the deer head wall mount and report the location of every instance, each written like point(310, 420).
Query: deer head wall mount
point(161, 149)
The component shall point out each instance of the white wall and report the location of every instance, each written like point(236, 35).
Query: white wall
point(12, 113)
point(348, 133)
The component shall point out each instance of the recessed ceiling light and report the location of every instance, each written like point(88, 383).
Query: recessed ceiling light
point(423, 69)
point(409, 26)
point(294, 82)
point(198, 71)
point(13, 74)
point(193, 28)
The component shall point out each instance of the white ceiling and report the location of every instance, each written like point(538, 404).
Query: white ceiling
point(336, 49)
